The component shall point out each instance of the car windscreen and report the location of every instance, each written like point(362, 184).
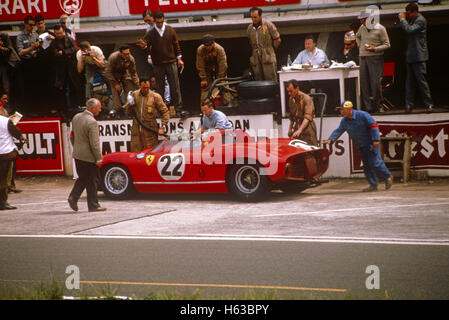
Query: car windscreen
point(158, 147)
point(175, 145)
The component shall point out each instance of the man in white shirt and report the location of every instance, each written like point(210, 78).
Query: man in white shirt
point(311, 55)
point(91, 60)
point(8, 153)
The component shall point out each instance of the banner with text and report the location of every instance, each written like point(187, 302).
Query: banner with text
point(139, 6)
point(43, 154)
point(115, 136)
point(430, 144)
point(17, 10)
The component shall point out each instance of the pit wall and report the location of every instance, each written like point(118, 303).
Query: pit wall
point(50, 151)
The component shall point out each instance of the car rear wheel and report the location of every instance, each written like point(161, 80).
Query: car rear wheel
point(246, 182)
point(116, 181)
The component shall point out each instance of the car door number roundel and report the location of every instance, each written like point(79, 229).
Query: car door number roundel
point(171, 166)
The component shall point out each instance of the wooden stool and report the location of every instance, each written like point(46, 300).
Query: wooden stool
point(405, 158)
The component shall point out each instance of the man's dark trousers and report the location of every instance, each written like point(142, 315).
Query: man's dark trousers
point(88, 178)
point(5, 165)
point(171, 70)
point(371, 74)
point(417, 70)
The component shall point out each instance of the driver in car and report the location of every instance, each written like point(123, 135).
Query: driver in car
point(213, 119)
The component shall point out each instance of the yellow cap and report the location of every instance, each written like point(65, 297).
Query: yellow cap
point(345, 105)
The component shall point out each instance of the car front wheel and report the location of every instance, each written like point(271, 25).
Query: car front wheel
point(116, 181)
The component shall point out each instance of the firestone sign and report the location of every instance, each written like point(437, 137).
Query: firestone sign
point(17, 10)
point(139, 6)
point(430, 144)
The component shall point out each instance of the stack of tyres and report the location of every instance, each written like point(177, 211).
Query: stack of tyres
point(258, 97)
point(260, 106)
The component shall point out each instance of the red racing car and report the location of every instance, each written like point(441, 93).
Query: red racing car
point(221, 162)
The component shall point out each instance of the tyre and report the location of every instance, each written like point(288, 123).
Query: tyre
point(257, 89)
point(116, 181)
point(247, 183)
point(259, 106)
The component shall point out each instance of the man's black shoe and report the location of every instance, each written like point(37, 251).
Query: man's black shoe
point(370, 189)
point(429, 108)
point(388, 182)
point(98, 209)
point(72, 204)
point(7, 207)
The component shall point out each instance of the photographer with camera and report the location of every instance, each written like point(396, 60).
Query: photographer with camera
point(90, 60)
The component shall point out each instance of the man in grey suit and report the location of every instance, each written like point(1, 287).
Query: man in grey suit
point(87, 154)
point(415, 27)
point(372, 39)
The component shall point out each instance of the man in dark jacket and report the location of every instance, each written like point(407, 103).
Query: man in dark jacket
point(63, 50)
point(415, 27)
point(5, 54)
point(163, 46)
point(350, 51)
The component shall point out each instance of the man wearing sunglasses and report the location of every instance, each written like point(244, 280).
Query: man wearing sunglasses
point(28, 39)
point(27, 47)
point(350, 51)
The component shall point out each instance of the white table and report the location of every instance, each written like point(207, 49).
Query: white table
point(320, 74)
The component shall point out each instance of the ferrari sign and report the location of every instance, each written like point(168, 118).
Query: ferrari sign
point(139, 6)
point(17, 10)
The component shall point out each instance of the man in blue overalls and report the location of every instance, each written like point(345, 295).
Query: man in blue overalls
point(364, 132)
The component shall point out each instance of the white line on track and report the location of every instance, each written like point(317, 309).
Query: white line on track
point(40, 203)
point(272, 238)
point(351, 209)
